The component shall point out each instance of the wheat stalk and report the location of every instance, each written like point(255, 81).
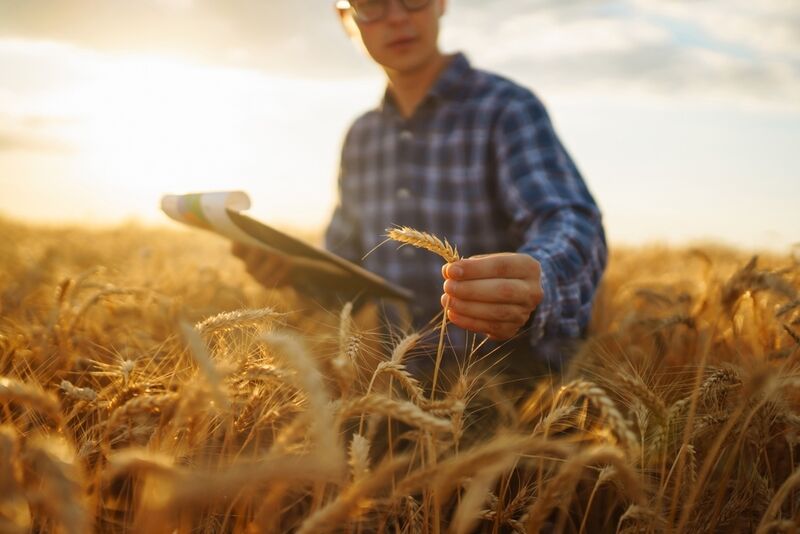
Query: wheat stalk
point(199, 351)
point(564, 482)
point(193, 487)
point(468, 512)
point(15, 516)
point(444, 476)
point(309, 379)
point(791, 482)
point(332, 516)
point(60, 490)
point(135, 460)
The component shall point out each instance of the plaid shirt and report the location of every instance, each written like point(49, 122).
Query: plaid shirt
point(479, 164)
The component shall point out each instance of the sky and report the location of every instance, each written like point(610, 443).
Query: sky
point(683, 116)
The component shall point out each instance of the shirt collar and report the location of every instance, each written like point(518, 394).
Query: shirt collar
point(449, 85)
point(453, 77)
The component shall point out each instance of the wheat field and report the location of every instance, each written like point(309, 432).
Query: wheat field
point(147, 384)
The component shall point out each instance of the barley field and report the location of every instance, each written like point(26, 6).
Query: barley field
point(147, 384)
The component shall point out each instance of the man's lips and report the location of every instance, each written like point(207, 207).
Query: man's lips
point(402, 41)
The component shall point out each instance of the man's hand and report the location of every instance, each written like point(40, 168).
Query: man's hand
point(270, 270)
point(494, 294)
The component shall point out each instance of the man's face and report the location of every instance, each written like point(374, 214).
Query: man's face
point(402, 40)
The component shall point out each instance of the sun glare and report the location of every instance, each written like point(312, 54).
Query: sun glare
point(155, 121)
point(141, 126)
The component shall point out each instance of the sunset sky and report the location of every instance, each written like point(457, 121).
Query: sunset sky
point(684, 116)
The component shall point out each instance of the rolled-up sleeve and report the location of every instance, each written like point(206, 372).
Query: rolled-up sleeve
point(561, 226)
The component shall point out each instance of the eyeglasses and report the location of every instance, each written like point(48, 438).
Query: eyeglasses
point(374, 10)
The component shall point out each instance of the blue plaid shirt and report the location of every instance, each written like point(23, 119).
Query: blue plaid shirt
point(479, 164)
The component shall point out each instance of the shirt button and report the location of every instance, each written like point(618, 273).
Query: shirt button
point(406, 135)
point(403, 193)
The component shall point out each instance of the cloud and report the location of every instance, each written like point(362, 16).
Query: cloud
point(12, 142)
point(543, 36)
point(295, 36)
point(736, 50)
point(765, 26)
point(30, 139)
point(619, 48)
point(35, 131)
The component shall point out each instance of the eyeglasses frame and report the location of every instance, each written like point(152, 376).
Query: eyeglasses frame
point(345, 5)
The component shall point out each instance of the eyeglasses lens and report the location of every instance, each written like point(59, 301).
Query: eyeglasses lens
point(373, 10)
point(415, 5)
point(369, 10)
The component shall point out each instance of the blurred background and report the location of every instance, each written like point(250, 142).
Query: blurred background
point(684, 116)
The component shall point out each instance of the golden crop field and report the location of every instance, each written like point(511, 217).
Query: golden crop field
point(147, 384)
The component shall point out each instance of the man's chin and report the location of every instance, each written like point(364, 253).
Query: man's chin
point(403, 63)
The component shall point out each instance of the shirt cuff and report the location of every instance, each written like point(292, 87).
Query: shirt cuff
point(544, 312)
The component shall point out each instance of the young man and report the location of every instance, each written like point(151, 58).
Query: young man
point(472, 157)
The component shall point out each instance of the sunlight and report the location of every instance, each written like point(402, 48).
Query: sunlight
point(156, 121)
point(138, 126)
point(146, 125)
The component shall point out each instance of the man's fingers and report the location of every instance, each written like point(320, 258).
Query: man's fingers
point(236, 248)
point(268, 268)
point(495, 330)
point(249, 255)
point(271, 271)
point(494, 291)
point(509, 265)
point(504, 313)
point(255, 257)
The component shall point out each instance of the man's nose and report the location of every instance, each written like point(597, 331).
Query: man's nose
point(396, 11)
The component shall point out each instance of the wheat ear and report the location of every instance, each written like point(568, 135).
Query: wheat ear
point(419, 239)
point(449, 253)
point(398, 371)
point(359, 457)
point(14, 390)
point(84, 394)
point(403, 411)
point(608, 410)
point(225, 321)
point(144, 404)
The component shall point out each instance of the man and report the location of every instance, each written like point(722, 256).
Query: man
point(472, 157)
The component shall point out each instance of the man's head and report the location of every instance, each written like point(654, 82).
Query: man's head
point(399, 35)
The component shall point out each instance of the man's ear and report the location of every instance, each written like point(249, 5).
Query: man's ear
point(348, 24)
